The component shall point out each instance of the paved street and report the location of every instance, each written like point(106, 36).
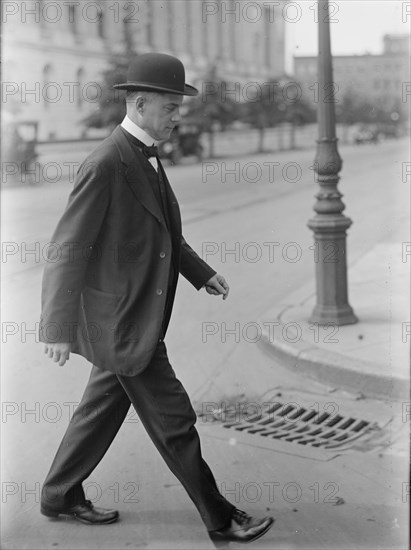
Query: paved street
point(246, 217)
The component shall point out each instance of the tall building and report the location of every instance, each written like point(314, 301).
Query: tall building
point(54, 52)
point(382, 79)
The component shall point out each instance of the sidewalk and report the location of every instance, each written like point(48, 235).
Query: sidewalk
point(370, 357)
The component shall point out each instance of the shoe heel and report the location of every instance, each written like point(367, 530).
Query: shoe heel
point(219, 542)
point(49, 513)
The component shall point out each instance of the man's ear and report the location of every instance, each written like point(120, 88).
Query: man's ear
point(140, 104)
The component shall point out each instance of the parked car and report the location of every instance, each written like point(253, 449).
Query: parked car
point(19, 149)
point(366, 134)
point(389, 130)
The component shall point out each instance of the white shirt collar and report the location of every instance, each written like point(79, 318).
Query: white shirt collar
point(137, 132)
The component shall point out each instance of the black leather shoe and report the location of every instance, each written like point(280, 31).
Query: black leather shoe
point(85, 512)
point(243, 528)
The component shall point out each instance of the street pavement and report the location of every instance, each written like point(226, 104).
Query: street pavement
point(250, 225)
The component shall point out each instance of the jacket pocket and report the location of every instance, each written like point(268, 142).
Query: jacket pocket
point(94, 296)
point(101, 311)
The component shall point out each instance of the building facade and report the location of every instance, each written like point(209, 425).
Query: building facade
point(381, 79)
point(54, 52)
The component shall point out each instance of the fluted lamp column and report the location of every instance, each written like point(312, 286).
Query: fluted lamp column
point(329, 223)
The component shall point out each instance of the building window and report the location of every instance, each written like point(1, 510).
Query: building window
point(204, 40)
point(204, 34)
point(219, 30)
point(231, 22)
point(41, 8)
point(232, 44)
point(268, 37)
point(149, 23)
point(101, 25)
point(189, 28)
point(128, 38)
point(79, 88)
point(257, 51)
point(73, 18)
point(170, 26)
point(46, 80)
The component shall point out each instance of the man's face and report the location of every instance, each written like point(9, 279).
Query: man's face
point(160, 114)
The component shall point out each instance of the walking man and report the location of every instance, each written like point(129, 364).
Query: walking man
point(109, 296)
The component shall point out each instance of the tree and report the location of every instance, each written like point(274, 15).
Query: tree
point(272, 105)
point(265, 110)
point(111, 107)
point(356, 108)
point(213, 109)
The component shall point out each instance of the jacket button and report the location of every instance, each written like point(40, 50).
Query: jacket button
point(159, 291)
point(162, 254)
point(69, 291)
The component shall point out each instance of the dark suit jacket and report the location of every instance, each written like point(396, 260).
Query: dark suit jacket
point(106, 289)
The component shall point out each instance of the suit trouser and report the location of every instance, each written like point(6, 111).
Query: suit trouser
point(164, 409)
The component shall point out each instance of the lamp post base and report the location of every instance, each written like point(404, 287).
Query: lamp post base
point(333, 315)
point(332, 305)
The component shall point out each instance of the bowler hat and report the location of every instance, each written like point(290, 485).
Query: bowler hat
point(157, 72)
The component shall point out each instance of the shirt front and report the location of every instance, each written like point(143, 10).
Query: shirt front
point(132, 128)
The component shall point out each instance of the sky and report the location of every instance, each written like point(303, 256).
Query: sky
point(357, 26)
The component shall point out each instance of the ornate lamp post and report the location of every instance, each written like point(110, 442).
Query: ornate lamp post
point(329, 223)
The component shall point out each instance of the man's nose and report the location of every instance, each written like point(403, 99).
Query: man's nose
point(176, 116)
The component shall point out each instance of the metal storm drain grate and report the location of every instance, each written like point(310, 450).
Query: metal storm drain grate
point(296, 424)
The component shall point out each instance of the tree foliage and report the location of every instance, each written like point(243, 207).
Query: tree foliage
point(213, 108)
point(357, 108)
point(111, 107)
point(275, 104)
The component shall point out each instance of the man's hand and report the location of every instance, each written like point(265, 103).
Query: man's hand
point(217, 285)
point(59, 352)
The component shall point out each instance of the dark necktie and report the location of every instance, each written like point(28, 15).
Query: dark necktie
point(150, 151)
point(147, 150)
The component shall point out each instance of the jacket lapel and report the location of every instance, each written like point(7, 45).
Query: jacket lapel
point(174, 209)
point(174, 218)
point(135, 175)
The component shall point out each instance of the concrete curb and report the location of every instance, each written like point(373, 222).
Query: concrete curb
point(330, 367)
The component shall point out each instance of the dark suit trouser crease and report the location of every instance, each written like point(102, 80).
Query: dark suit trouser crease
point(164, 409)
